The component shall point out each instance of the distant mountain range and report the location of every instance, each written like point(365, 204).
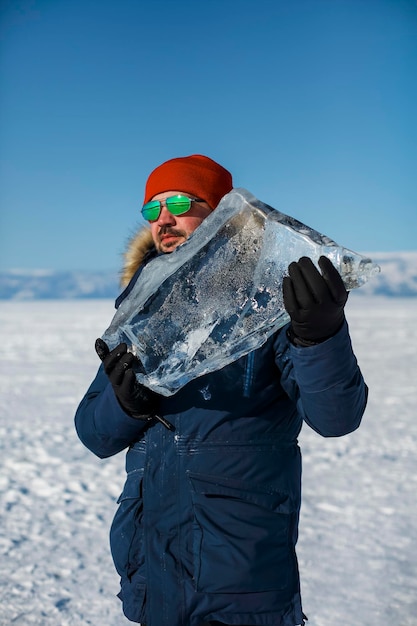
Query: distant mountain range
point(54, 285)
point(398, 278)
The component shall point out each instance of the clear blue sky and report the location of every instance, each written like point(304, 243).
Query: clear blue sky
point(310, 103)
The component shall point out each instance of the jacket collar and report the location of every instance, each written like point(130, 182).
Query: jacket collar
point(139, 248)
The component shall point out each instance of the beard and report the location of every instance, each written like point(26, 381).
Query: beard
point(168, 245)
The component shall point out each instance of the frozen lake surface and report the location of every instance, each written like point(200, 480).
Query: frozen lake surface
point(358, 533)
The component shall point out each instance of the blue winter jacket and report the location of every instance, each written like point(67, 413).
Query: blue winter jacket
point(208, 518)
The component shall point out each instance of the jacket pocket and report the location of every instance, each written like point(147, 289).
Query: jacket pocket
point(241, 536)
point(133, 597)
point(126, 536)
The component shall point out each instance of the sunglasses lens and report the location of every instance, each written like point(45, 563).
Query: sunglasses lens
point(178, 204)
point(151, 210)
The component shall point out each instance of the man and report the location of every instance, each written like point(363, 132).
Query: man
point(207, 522)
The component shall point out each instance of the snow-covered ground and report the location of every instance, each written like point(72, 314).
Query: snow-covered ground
point(358, 535)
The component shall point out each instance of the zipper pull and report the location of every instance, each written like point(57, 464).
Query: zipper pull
point(165, 422)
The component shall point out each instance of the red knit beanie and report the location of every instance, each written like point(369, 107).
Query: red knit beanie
point(196, 174)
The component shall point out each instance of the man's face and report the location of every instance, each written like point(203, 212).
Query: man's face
point(170, 231)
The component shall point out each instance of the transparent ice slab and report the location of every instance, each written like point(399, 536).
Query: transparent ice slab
point(219, 295)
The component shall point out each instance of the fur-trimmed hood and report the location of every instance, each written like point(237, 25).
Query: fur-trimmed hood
point(137, 248)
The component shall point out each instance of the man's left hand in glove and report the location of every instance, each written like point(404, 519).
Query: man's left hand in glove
point(314, 301)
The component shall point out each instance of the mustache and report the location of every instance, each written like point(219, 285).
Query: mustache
point(168, 230)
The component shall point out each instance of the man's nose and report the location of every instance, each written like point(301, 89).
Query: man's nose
point(165, 217)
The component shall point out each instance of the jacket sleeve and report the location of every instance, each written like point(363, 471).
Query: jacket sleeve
point(325, 382)
point(100, 422)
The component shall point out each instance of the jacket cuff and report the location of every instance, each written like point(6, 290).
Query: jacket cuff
point(111, 420)
point(331, 360)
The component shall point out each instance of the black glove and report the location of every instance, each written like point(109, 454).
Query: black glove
point(315, 302)
point(134, 398)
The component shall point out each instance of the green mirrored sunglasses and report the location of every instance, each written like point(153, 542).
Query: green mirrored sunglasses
point(177, 205)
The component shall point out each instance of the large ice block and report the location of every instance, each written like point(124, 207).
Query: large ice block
point(219, 295)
